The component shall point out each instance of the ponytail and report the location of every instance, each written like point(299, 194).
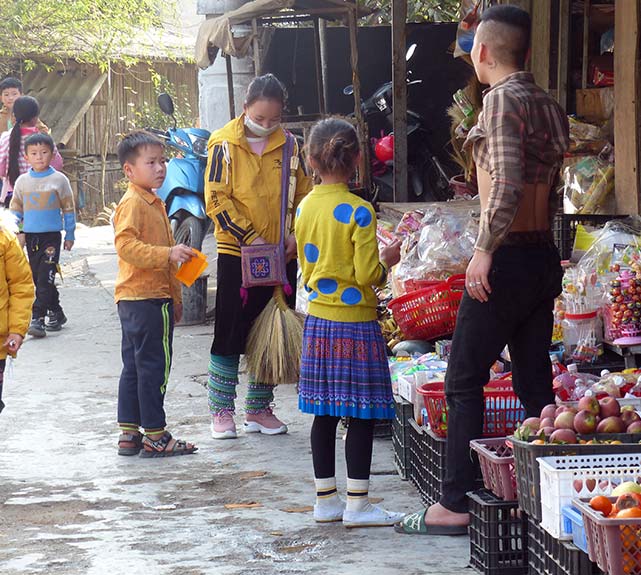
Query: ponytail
point(25, 109)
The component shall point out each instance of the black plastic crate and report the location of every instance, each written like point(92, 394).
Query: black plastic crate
point(400, 436)
point(549, 556)
point(565, 225)
point(498, 535)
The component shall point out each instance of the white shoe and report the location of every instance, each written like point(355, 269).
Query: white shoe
point(264, 422)
point(371, 516)
point(329, 511)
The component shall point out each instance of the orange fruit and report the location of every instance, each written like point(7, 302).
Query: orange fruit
point(630, 513)
point(601, 503)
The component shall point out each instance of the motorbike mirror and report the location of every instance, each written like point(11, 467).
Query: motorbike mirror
point(410, 52)
point(166, 104)
point(348, 90)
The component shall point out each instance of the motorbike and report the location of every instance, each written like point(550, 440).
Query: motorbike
point(426, 175)
point(183, 190)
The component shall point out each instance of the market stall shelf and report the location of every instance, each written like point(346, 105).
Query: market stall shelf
point(497, 466)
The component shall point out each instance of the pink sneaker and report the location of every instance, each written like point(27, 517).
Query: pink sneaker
point(223, 425)
point(264, 422)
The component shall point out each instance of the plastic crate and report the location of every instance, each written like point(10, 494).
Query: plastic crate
point(573, 523)
point(564, 478)
point(497, 466)
point(503, 410)
point(498, 535)
point(526, 466)
point(565, 225)
point(549, 556)
point(400, 436)
point(615, 544)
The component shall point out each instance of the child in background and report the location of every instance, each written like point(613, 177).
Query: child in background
point(149, 300)
point(13, 162)
point(43, 201)
point(16, 289)
point(10, 91)
point(344, 370)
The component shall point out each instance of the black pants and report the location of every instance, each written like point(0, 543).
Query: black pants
point(233, 320)
point(44, 254)
point(525, 281)
point(147, 335)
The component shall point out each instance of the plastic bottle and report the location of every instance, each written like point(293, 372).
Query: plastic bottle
point(557, 367)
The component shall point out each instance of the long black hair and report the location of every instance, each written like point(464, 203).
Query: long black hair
point(25, 109)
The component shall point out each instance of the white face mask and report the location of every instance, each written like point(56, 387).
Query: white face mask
point(259, 130)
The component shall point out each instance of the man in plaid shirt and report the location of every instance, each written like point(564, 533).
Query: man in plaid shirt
point(515, 273)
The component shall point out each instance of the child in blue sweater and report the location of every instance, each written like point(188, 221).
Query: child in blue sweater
point(43, 201)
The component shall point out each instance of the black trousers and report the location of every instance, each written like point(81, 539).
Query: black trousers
point(147, 336)
point(525, 280)
point(233, 320)
point(43, 250)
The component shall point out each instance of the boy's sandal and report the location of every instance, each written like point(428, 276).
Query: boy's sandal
point(160, 447)
point(414, 524)
point(129, 443)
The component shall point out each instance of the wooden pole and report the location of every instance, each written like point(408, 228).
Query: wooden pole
point(586, 43)
point(324, 60)
point(319, 67)
point(563, 56)
point(256, 42)
point(399, 82)
point(230, 87)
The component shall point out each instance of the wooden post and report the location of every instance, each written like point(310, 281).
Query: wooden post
point(586, 43)
point(399, 82)
point(563, 55)
point(324, 59)
point(540, 59)
point(627, 113)
point(319, 67)
point(256, 42)
point(230, 88)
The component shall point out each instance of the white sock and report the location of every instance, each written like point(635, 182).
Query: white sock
point(357, 494)
point(326, 491)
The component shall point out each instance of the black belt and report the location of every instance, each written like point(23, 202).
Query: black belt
point(532, 238)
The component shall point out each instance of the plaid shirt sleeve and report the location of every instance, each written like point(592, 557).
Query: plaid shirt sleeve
point(504, 127)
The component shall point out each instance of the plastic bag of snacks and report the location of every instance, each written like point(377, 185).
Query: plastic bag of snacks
point(588, 183)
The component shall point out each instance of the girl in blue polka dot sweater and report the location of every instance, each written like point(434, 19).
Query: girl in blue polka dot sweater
point(344, 371)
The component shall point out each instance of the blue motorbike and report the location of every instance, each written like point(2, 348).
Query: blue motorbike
point(183, 190)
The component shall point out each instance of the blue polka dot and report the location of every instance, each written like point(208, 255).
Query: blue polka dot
point(351, 296)
point(363, 217)
point(312, 296)
point(297, 212)
point(327, 286)
point(311, 253)
point(343, 213)
point(307, 288)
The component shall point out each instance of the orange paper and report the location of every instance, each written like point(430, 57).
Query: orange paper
point(190, 271)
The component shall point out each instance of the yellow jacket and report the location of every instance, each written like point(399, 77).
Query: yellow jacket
point(143, 239)
point(243, 190)
point(16, 288)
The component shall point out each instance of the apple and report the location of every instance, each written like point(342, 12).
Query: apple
point(634, 427)
point(629, 416)
point(585, 422)
point(609, 407)
point(626, 487)
point(565, 420)
point(547, 422)
point(532, 422)
point(549, 411)
point(590, 404)
point(611, 424)
point(563, 436)
point(547, 431)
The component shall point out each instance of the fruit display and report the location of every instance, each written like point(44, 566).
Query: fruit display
point(625, 300)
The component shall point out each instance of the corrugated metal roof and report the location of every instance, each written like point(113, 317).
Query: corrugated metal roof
point(64, 96)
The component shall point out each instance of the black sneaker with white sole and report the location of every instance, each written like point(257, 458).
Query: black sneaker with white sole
point(55, 320)
point(37, 327)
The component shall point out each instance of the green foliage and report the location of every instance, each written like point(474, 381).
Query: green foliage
point(93, 31)
point(417, 10)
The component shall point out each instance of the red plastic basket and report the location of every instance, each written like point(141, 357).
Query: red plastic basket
point(497, 466)
point(613, 544)
point(429, 313)
point(503, 410)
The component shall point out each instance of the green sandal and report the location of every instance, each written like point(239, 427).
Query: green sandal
point(160, 447)
point(414, 524)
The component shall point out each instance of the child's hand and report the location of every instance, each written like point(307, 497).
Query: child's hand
point(290, 248)
point(178, 312)
point(391, 255)
point(68, 245)
point(180, 254)
point(13, 342)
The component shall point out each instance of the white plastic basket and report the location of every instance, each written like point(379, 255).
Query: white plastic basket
point(566, 478)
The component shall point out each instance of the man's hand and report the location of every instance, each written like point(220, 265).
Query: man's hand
point(180, 254)
point(477, 275)
point(22, 239)
point(258, 242)
point(13, 343)
point(290, 248)
point(68, 245)
point(391, 255)
point(178, 312)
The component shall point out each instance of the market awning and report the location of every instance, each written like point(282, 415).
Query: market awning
point(64, 96)
point(216, 34)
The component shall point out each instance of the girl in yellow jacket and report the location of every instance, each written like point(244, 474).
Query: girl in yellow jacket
point(243, 198)
point(16, 293)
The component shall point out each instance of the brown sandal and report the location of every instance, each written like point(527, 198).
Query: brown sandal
point(129, 443)
point(160, 447)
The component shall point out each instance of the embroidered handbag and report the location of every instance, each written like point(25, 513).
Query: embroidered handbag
point(264, 265)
